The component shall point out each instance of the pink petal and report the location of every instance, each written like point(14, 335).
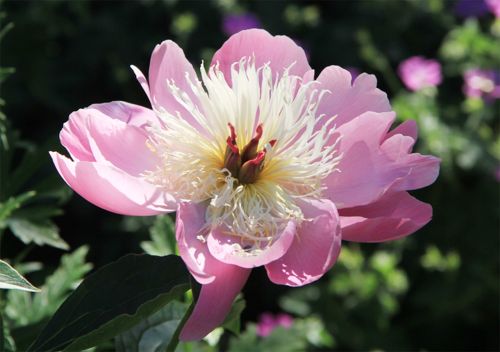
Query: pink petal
point(371, 165)
point(348, 101)
point(124, 146)
point(362, 170)
point(113, 189)
point(393, 216)
point(221, 282)
point(227, 248)
point(279, 51)
point(168, 62)
point(131, 114)
point(418, 170)
point(408, 128)
point(315, 248)
point(74, 135)
point(142, 81)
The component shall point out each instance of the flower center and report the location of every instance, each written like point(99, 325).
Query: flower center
point(251, 174)
point(247, 165)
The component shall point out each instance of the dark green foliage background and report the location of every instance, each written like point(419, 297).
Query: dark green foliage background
point(70, 54)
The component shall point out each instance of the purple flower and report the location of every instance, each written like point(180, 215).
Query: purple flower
point(418, 72)
point(494, 7)
point(497, 174)
point(482, 84)
point(471, 8)
point(234, 23)
point(268, 322)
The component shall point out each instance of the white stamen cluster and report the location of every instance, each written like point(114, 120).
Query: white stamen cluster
point(192, 155)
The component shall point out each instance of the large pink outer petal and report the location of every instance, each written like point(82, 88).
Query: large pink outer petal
point(347, 101)
point(279, 51)
point(221, 282)
point(108, 145)
point(393, 216)
point(373, 164)
point(221, 246)
point(111, 188)
point(314, 249)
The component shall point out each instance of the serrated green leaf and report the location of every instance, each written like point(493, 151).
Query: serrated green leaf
point(112, 300)
point(23, 308)
point(10, 279)
point(12, 204)
point(162, 237)
point(40, 233)
point(154, 332)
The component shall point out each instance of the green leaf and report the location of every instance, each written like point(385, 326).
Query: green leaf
point(113, 300)
point(24, 308)
point(12, 204)
point(162, 237)
point(11, 279)
point(40, 233)
point(233, 319)
point(154, 332)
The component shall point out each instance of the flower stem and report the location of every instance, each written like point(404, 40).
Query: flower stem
point(174, 341)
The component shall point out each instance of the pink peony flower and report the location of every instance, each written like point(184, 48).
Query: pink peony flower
point(233, 24)
point(482, 84)
point(268, 322)
point(264, 164)
point(418, 73)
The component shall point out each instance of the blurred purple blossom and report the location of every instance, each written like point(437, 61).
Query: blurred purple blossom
point(497, 174)
point(234, 23)
point(268, 322)
point(482, 84)
point(477, 8)
point(471, 8)
point(418, 72)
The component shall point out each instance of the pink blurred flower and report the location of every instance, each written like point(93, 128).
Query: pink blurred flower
point(417, 73)
point(268, 322)
point(264, 164)
point(482, 84)
point(494, 7)
point(233, 24)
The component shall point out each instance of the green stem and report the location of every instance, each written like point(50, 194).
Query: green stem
point(174, 341)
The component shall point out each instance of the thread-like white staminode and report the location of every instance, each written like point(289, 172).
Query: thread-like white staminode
point(192, 148)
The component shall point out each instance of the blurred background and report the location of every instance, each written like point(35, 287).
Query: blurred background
point(435, 290)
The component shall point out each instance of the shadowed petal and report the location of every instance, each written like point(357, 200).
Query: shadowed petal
point(371, 165)
point(227, 248)
point(315, 248)
point(393, 216)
